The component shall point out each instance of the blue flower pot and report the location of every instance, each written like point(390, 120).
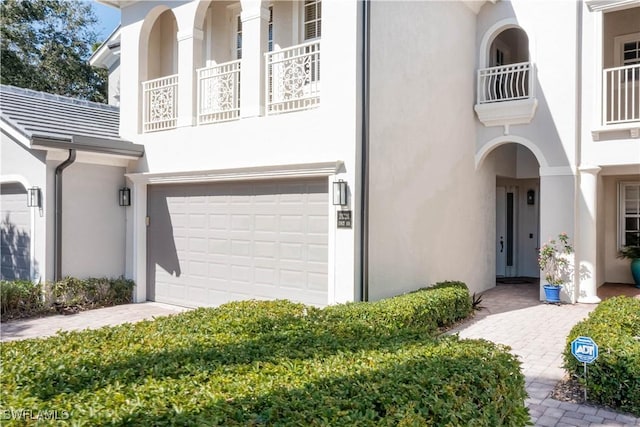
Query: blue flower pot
point(552, 293)
point(635, 271)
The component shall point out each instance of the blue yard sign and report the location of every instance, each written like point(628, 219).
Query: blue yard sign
point(584, 349)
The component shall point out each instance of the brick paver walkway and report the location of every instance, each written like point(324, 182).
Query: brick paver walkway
point(536, 332)
point(92, 319)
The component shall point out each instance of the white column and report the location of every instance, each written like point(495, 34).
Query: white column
point(557, 214)
point(139, 246)
point(586, 250)
point(189, 58)
point(255, 20)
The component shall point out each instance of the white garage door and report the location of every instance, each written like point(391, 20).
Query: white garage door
point(213, 243)
point(15, 230)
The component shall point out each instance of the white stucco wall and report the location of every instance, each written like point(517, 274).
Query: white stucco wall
point(431, 212)
point(19, 164)
point(329, 133)
point(93, 224)
point(114, 83)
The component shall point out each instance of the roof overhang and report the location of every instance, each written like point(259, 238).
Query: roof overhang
point(108, 52)
point(610, 5)
point(89, 144)
point(118, 4)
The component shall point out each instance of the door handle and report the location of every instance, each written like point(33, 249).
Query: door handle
point(501, 245)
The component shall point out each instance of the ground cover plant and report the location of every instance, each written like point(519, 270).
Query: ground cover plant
point(614, 378)
point(23, 298)
point(272, 363)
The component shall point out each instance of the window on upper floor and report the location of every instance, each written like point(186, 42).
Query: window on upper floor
point(629, 222)
point(238, 37)
point(312, 19)
point(627, 53)
point(270, 30)
point(631, 53)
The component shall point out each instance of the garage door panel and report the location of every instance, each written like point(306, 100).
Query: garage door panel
point(235, 241)
point(15, 224)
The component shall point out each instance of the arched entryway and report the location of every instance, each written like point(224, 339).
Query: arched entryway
point(516, 165)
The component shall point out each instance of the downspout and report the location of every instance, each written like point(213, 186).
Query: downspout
point(57, 247)
point(364, 179)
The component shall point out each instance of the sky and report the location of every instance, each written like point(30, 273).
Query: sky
point(108, 19)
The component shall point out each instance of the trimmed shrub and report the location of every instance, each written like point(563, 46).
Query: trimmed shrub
point(91, 292)
point(266, 363)
point(614, 378)
point(20, 297)
point(24, 298)
point(428, 308)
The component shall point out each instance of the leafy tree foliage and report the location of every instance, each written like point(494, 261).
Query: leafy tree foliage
point(45, 46)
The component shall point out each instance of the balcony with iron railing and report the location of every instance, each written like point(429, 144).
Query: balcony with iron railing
point(160, 103)
point(506, 94)
point(621, 95)
point(219, 92)
point(293, 78)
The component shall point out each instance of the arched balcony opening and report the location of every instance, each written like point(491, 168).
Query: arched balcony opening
point(218, 74)
point(508, 76)
point(506, 79)
point(160, 85)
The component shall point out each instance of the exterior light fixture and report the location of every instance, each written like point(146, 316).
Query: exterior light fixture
point(531, 197)
point(340, 193)
point(33, 197)
point(125, 196)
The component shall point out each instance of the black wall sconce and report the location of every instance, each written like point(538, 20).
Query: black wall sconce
point(531, 197)
point(33, 197)
point(340, 193)
point(125, 196)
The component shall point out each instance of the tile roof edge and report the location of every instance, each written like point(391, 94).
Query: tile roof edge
point(53, 97)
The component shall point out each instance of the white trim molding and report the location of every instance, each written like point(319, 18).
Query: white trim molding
point(238, 174)
point(610, 5)
point(489, 146)
point(557, 171)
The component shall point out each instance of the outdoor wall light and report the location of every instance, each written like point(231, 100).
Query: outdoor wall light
point(125, 196)
point(33, 197)
point(340, 193)
point(531, 197)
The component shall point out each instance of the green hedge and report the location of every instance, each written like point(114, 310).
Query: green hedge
point(20, 298)
point(268, 363)
point(440, 305)
point(24, 298)
point(614, 378)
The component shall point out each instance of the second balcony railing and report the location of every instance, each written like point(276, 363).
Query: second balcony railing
point(621, 95)
point(219, 92)
point(160, 103)
point(506, 83)
point(293, 78)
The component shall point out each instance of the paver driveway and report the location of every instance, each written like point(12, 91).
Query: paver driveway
point(92, 319)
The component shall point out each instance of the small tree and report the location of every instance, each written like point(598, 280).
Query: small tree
point(46, 44)
point(553, 259)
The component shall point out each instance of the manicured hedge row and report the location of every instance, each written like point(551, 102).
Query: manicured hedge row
point(614, 378)
point(24, 298)
point(429, 308)
point(267, 363)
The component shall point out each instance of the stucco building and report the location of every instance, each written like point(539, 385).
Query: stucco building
point(464, 134)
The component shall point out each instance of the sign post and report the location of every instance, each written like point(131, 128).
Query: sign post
point(585, 350)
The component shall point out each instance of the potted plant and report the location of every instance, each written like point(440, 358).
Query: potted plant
point(554, 263)
point(632, 253)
